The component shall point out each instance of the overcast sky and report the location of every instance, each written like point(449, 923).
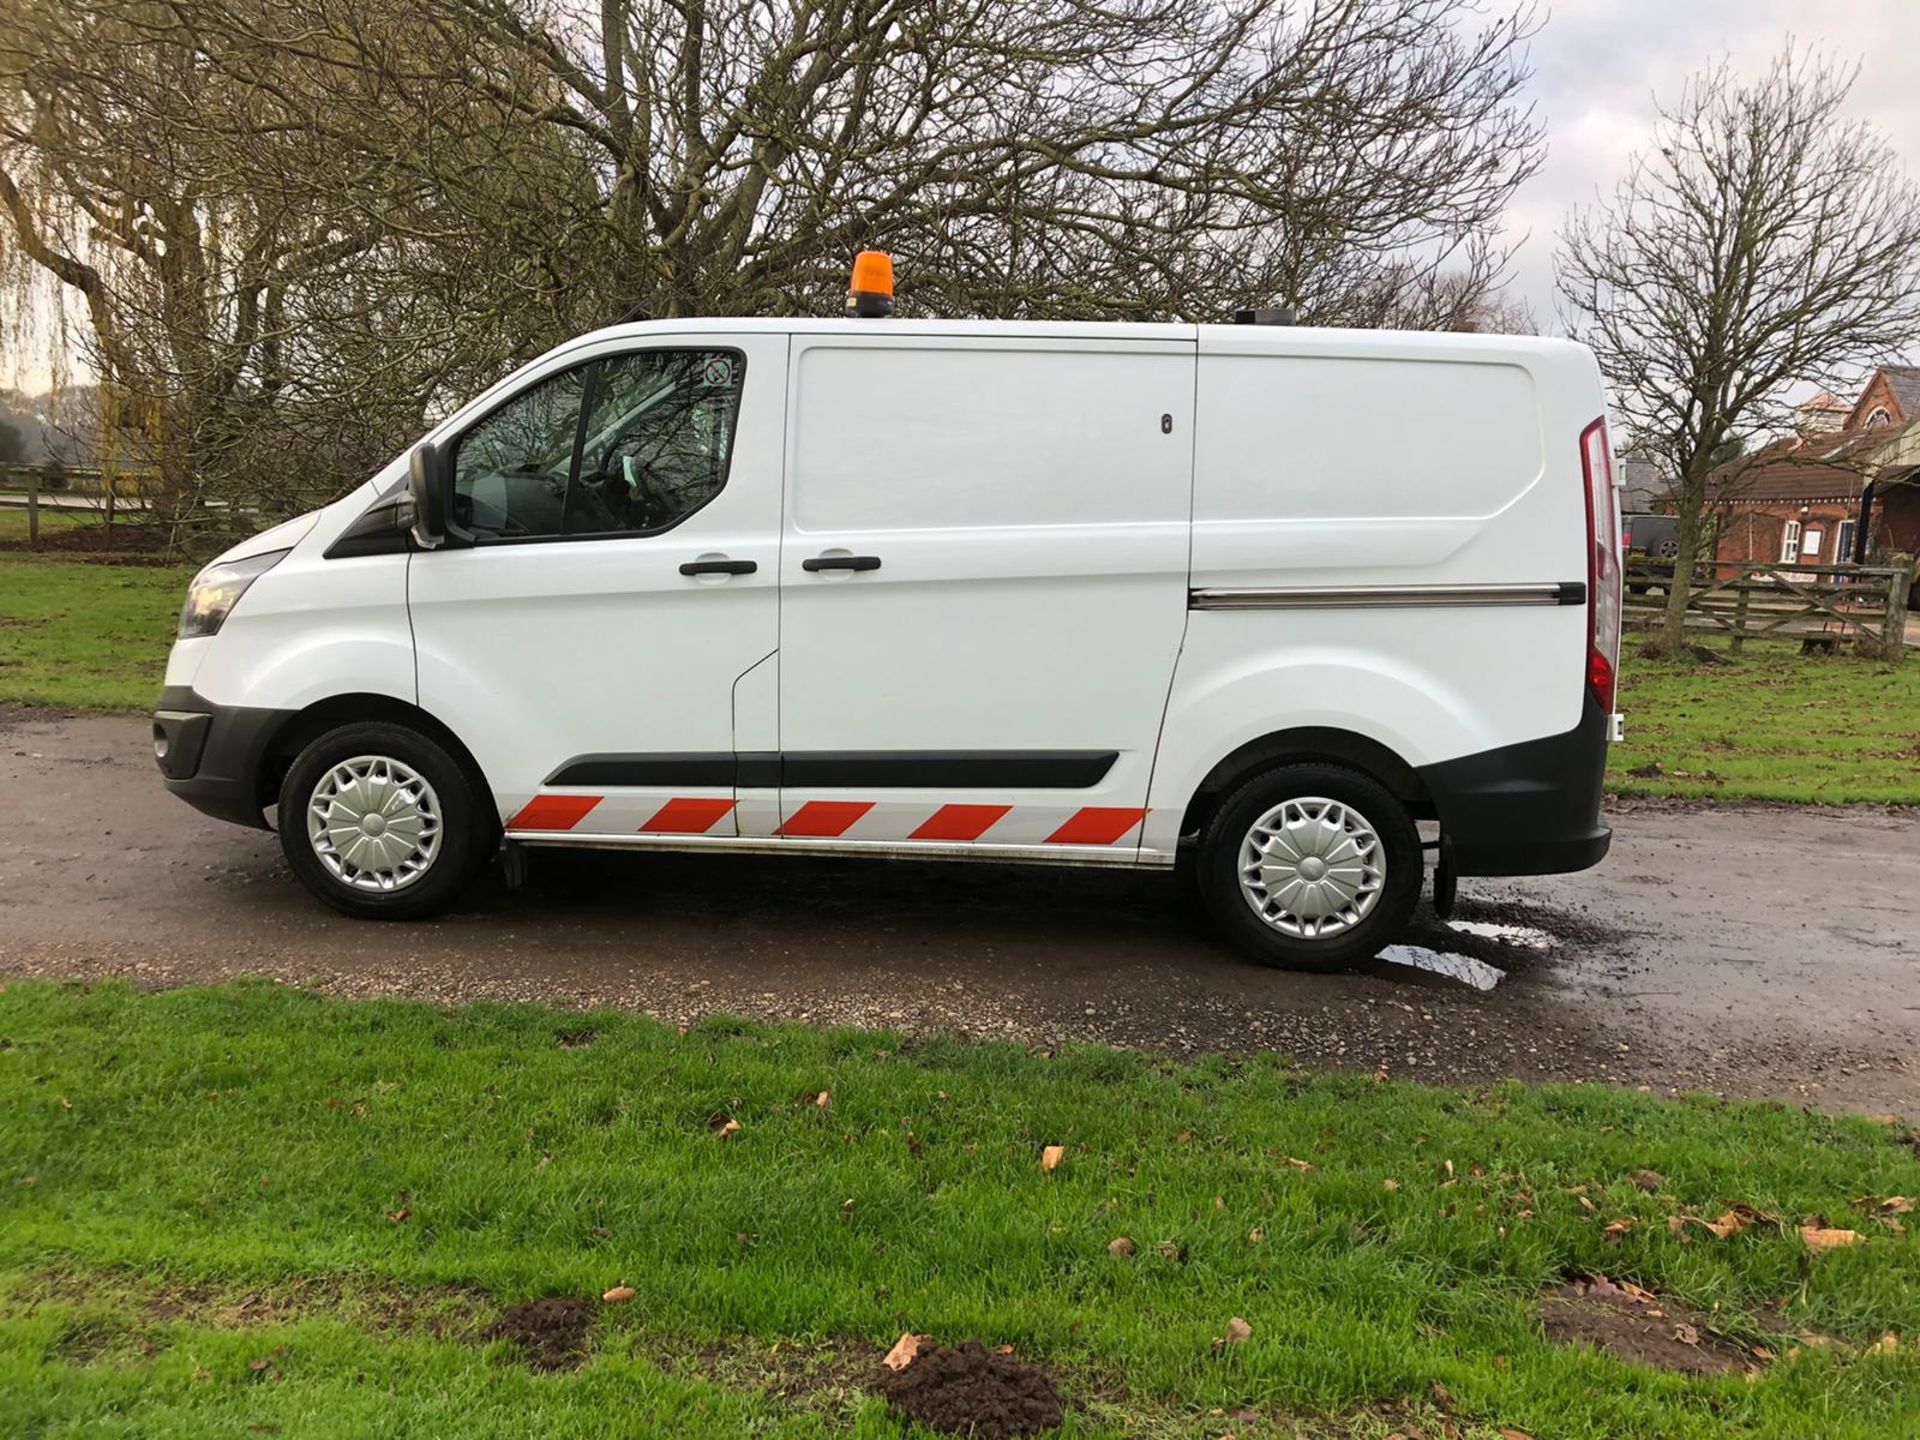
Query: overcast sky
point(1598, 64)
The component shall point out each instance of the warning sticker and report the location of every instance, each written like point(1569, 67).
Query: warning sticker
point(717, 372)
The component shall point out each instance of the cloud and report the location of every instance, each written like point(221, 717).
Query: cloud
point(1599, 64)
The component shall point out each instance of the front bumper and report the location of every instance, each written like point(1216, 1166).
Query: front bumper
point(1527, 809)
point(213, 756)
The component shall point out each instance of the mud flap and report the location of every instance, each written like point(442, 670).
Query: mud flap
point(513, 863)
point(1446, 879)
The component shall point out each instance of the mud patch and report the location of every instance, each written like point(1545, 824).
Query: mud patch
point(968, 1389)
point(550, 1334)
point(1634, 1325)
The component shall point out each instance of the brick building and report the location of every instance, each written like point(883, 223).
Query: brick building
point(1803, 500)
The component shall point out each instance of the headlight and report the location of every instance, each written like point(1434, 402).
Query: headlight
point(218, 588)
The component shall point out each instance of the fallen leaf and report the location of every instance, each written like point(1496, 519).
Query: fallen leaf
point(1003, 1349)
point(1820, 1239)
point(1686, 1334)
point(1302, 1166)
point(1894, 1205)
point(1731, 1223)
point(823, 1099)
point(1616, 1231)
point(1509, 1433)
point(1887, 1344)
point(619, 1294)
point(1172, 1250)
point(903, 1351)
point(1051, 1157)
point(1441, 1396)
point(1238, 1333)
point(1120, 1246)
point(1390, 1185)
point(398, 1217)
point(1256, 1235)
point(1648, 1180)
point(722, 1124)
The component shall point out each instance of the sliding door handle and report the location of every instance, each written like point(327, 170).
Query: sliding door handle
point(718, 567)
point(840, 562)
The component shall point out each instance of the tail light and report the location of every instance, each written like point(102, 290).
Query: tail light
point(1603, 565)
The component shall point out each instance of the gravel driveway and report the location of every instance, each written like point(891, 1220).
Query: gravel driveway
point(1751, 951)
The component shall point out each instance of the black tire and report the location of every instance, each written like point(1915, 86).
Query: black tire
point(465, 822)
point(1233, 912)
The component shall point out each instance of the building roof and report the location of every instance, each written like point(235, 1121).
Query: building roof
point(1798, 469)
point(1904, 382)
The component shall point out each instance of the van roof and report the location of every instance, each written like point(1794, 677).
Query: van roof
point(1238, 339)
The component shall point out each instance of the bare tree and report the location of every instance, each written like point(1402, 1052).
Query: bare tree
point(1765, 241)
point(298, 225)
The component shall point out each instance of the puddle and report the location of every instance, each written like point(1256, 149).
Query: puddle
point(1464, 968)
point(1523, 935)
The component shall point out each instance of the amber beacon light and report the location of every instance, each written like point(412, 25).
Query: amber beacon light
point(870, 296)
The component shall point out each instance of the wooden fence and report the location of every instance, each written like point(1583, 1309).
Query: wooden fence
point(1864, 606)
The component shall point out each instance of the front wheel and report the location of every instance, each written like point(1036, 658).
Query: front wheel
point(1311, 867)
point(380, 822)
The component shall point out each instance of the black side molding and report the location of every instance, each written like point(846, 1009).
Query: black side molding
point(1572, 592)
point(835, 769)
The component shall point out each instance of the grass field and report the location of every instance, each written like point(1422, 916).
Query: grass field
point(81, 634)
point(1770, 724)
point(252, 1210)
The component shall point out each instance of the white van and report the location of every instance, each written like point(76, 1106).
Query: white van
point(1248, 599)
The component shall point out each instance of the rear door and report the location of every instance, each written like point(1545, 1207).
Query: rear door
point(983, 587)
point(591, 646)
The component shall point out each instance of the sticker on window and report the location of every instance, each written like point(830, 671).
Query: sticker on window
point(717, 373)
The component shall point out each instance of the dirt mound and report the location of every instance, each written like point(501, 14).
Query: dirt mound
point(1634, 1325)
point(550, 1333)
point(968, 1389)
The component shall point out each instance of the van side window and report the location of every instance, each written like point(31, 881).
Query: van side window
point(630, 445)
point(658, 437)
point(510, 471)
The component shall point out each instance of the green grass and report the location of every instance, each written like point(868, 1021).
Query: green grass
point(90, 636)
point(178, 1170)
point(13, 522)
point(1770, 724)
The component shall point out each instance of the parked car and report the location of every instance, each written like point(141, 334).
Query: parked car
point(1156, 595)
point(1651, 544)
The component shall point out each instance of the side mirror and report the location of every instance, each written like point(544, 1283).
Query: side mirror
point(430, 487)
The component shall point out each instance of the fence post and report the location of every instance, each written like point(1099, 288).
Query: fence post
point(1739, 621)
point(1899, 589)
point(33, 509)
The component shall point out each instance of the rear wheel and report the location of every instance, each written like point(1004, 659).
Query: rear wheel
point(380, 822)
point(1311, 867)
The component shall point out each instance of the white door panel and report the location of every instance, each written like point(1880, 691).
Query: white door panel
point(1028, 508)
point(601, 653)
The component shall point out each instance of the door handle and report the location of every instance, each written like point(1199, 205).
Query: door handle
point(718, 567)
point(840, 562)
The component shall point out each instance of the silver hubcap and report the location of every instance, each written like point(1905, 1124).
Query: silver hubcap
point(374, 823)
point(1312, 868)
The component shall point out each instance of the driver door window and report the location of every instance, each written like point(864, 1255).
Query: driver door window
point(628, 445)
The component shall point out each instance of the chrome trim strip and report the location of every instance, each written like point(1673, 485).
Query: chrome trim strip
point(1117, 855)
point(1367, 597)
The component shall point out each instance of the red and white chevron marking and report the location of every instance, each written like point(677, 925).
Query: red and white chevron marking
point(966, 823)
